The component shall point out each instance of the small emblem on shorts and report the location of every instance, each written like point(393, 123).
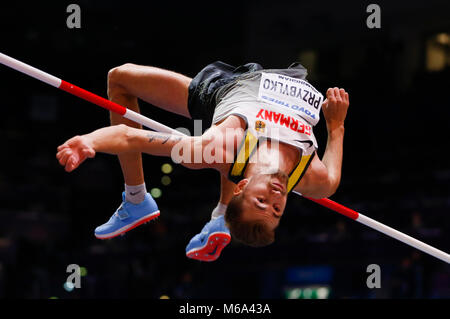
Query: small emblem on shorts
point(260, 126)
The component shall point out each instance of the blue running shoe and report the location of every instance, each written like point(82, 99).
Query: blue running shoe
point(127, 217)
point(208, 245)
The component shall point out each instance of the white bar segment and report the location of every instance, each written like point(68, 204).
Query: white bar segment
point(29, 70)
point(139, 118)
point(404, 238)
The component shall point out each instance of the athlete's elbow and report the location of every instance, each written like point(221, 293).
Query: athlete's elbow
point(328, 187)
point(332, 190)
point(332, 186)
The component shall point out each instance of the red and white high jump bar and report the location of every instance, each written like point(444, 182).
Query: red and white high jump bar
point(138, 118)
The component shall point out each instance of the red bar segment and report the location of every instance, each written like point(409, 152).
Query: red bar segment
point(93, 98)
point(336, 207)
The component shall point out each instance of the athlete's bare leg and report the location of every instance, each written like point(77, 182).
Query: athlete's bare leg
point(162, 88)
point(167, 90)
point(226, 190)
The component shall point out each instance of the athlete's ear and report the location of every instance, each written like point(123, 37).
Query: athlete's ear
point(239, 188)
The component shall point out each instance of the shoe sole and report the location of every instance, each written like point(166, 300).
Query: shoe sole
point(129, 227)
point(212, 249)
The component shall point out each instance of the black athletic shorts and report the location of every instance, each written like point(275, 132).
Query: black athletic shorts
point(202, 90)
point(201, 99)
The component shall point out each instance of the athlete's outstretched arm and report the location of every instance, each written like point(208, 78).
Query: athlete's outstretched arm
point(323, 177)
point(122, 139)
point(162, 88)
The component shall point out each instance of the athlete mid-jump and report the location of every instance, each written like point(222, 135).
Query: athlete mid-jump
point(260, 139)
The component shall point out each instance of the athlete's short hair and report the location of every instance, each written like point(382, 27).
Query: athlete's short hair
point(252, 233)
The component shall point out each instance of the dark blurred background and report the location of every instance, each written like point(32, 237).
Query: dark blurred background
point(395, 169)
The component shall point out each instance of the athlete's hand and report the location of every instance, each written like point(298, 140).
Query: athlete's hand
point(74, 152)
point(335, 108)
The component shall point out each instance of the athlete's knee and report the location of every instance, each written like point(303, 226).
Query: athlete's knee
point(117, 75)
point(117, 89)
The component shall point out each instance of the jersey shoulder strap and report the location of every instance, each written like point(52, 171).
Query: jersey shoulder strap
point(297, 173)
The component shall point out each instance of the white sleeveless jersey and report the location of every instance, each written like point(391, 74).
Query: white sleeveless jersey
point(274, 106)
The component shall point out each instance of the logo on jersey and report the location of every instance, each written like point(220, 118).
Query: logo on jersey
point(283, 120)
point(260, 126)
point(292, 106)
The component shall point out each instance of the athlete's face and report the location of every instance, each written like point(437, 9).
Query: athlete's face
point(264, 198)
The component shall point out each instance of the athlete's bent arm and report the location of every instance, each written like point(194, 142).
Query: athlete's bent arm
point(323, 177)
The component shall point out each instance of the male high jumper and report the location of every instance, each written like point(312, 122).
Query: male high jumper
point(260, 139)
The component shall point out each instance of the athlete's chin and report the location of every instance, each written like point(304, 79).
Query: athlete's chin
point(280, 178)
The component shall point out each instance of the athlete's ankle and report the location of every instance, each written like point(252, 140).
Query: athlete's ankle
point(219, 210)
point(135, 194)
